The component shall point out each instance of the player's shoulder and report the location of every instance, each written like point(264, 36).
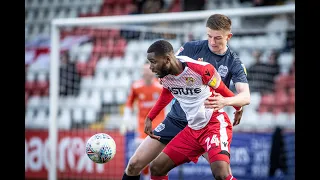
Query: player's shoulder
point(191, 61)
point(232, 55)
point(196, 44)
point(138, 83)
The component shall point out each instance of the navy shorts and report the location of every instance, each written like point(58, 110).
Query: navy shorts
point(169, 128)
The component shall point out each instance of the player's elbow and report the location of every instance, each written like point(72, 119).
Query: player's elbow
point(246, 100)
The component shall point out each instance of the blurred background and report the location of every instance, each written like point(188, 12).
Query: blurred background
point(98, 63)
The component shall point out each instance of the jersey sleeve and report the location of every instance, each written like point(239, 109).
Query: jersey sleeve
point(162, 102)
point(239, 72)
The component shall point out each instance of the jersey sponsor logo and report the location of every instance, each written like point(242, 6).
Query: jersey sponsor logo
point(225, 144)
point(184, 91)
point(200, 59)
point(207, 73)
point(189, 81)
point(160, 127)
point(223, 70)
point(179, 51)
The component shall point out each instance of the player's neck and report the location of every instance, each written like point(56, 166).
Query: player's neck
point(177, 68)
point(147, 82)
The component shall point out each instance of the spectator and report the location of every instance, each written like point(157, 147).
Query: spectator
point(261, 75)
point(69, 77)
point(152, 6)
point(192, 5)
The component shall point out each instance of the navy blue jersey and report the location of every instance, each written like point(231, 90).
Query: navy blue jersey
point(228, 65)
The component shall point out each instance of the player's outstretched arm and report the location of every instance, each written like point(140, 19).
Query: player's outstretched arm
point(163, 101)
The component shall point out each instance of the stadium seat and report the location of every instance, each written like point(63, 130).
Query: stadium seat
point(29, 117)
point(77, 116)
point(86, 83)
point(30, 83)
point(42, 83)
point(82, 68)
point(121, 96)
point(281, 101)
point(120, 47)
point(108, 96)
point(266, 103)
point(64, 120)
point(41, 120)
point(281, 81)
point(291, 100)
point(90, 116)
point(81, 100)
point(34, 102)
point(124, 79)
point(103, 65)
point(26, 96)
point(95, 100)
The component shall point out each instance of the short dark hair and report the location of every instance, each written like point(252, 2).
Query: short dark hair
point(219, 22)
point(160, 48)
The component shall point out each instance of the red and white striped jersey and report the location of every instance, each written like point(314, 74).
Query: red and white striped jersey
point(191, 88)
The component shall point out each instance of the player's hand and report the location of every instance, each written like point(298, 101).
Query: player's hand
point(237, 117)
point(215, 102)
point(148, 129)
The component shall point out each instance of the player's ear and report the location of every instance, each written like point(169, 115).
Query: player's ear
point(229, 36)
point(168, 58)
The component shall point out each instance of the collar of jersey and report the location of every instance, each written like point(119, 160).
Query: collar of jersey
point(185, 66)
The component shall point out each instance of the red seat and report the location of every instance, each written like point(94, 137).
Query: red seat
point(281, 81)
point(26, 97)
point(291, 100)
point(266, 103)
point(81, 67)
point(29, 86)
point(281, 101)
point(120, 47)
point(42, 86)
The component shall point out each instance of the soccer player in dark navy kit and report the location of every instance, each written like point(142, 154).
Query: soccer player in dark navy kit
point(215, 51)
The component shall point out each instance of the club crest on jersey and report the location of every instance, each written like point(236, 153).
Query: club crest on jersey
point(223, 70)
point(189, 81)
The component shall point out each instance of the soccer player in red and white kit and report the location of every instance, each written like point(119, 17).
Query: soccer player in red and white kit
point(191, 82)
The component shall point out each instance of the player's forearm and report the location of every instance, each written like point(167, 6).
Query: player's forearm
point(225, 92)
point(241, 99)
